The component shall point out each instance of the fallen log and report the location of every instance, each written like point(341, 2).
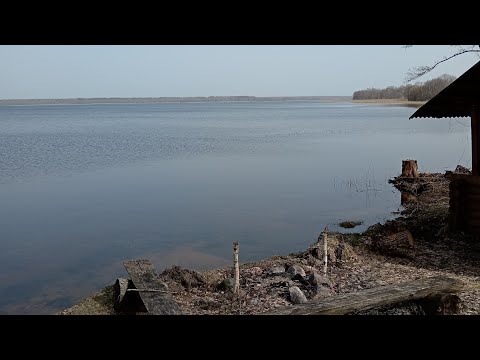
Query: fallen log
point(375, 297)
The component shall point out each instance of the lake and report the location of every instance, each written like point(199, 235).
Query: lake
point(85, 187)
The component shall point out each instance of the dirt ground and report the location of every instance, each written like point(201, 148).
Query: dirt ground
point(415, 245)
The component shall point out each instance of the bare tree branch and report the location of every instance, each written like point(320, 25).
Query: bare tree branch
point(417, 72)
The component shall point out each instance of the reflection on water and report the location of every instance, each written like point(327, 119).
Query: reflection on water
point(83, 188)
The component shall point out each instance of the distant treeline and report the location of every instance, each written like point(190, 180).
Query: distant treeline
point(417, 92)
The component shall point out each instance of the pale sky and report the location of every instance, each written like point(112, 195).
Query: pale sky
point(79, 71)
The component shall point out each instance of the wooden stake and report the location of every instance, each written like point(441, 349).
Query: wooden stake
point(325, 251)
point(236, 289)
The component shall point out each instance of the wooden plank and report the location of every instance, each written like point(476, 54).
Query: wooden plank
point(144, 277)
point(124, 300)
point(372, 298)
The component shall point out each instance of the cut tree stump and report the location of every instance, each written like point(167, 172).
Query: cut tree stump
point(372, 298)
point(147, 283)
point(409, 168)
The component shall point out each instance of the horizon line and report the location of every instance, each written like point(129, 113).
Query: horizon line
point(176, 97)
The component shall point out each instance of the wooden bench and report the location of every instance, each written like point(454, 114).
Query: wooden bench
point(434, 294)
point(144, 292)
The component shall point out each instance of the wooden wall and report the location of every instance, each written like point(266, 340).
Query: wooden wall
point(464, 212)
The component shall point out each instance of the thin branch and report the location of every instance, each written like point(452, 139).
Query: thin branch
point(418, 72)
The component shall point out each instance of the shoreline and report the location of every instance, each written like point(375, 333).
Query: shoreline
point(393, 102)
point(170, 100)
point(139, 101)
point(357, 261)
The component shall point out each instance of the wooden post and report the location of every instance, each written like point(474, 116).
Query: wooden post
point(409, 168)
point(325, 251)
point(475, 124)
point(236, 289)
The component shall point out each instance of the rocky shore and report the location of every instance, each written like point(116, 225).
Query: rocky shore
point(415, 245)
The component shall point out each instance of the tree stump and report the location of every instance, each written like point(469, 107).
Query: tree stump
point(409, 168)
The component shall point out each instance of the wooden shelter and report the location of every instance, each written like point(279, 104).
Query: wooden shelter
point(461, 99)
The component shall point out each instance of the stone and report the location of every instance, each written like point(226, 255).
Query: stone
point(308, 268)
point(295, 269)
point(255, 270)
point(276, 270)
point(254, 302)
point(300, 278)
point(297, 296)
point(322, 291)
point(317, 279)
point(227, 285)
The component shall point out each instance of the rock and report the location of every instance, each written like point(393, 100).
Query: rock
point(276, 270)
point(339, 253)
point(307, 268)
point(207, 304)
point(254, 302)
point(302, 279)
point(332, 257)
point(229, 295)
point(296, 295)
point(317, 250)
point(227, 285)
point(317, 279)
point(295, 269)
point(322, 291)
point(255, 270)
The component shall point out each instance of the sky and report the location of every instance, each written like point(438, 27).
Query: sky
point(81, 71)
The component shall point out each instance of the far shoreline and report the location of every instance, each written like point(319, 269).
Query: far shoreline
point(170, 100)
point(395, 102)
point(214, 99)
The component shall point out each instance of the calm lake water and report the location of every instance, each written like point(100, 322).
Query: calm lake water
point(83, 188)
